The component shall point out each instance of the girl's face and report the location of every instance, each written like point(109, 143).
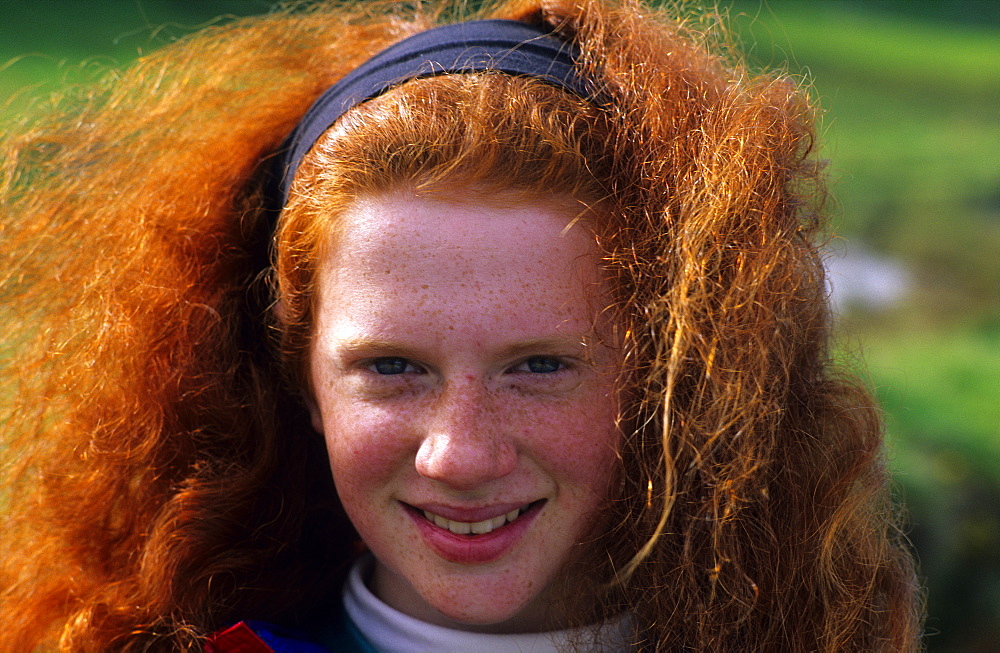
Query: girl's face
point(465, 384)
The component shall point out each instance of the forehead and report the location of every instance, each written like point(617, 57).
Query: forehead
point(401, 228)
point(462, 215)
point(468, 257)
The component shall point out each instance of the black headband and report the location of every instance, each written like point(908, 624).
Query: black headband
point(505, 46)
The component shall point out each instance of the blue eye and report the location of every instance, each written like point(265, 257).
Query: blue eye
point(541, 365)
point(391, 365)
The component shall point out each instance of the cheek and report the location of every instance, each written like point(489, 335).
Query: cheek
point(578, 444)
point(368, 447)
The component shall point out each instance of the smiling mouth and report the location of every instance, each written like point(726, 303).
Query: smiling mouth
point(475, 528)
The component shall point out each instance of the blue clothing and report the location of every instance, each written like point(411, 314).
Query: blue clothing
point(340, 636)
point(343, 635)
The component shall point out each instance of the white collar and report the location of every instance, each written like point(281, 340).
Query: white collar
point(391, 631)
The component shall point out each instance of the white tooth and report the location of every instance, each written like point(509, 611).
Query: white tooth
point(482, 527)
point(476, 528)
point(459, 527)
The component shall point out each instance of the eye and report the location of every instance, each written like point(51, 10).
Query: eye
point(541, 365)
point(390, 365)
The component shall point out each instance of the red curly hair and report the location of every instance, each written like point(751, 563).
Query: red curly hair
point(162, 479)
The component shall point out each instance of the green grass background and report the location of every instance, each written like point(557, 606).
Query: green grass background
point(910, 93)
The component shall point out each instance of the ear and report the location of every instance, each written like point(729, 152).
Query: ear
point(279, 310)
point(315, 416)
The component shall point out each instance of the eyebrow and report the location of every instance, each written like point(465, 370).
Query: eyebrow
point(556, 345)
point(363, 344)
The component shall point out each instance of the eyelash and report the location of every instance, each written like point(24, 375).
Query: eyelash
point(404, 364)
point(558, 365)
point(397, 365)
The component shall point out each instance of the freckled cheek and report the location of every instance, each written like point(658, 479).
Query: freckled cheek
point(367, 446)
point(577, 442)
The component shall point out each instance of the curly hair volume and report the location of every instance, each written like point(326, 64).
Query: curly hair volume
point(161, 479)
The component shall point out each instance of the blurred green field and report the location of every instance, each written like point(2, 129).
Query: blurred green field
point(910, 94)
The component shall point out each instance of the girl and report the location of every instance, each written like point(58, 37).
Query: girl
point(541, 292)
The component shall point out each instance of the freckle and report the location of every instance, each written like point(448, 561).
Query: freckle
point(425, 286)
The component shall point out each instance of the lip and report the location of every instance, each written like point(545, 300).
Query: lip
point(469, 514)
point(473, 549)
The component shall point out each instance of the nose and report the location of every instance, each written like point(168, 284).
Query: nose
point(467, 441)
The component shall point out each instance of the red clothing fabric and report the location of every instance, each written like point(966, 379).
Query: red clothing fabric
point(237, 639)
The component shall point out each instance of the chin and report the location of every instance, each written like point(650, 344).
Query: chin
point(494, 619)
point(491, 612)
